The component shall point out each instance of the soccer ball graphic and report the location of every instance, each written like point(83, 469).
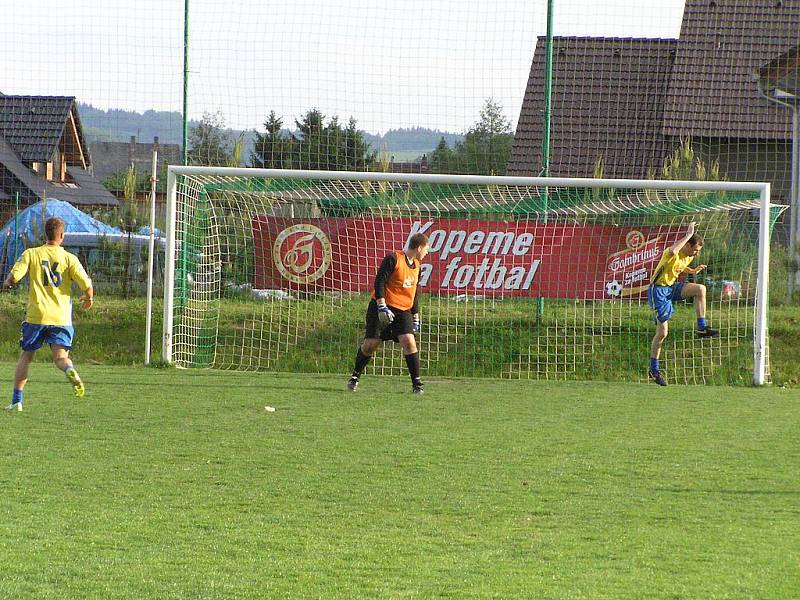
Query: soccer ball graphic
point(614, 289)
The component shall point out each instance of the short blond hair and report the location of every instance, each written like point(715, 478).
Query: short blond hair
point(52, 227)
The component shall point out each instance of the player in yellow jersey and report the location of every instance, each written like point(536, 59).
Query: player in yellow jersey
point(393, 312)
point(51, 270)
point(666, 288)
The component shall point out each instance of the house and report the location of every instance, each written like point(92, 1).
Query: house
point(112, 157)
point(43, 154)
point(607, 108)
point(420, 165)
point(621, 106)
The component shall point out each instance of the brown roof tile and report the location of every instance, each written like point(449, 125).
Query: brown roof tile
point(723, 43)
point(33, 125)
point(608, 97)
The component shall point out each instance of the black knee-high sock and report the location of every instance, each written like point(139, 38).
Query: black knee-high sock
point(361, 362)
point(412, 360)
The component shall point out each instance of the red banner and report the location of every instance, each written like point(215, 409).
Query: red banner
point(474, 258)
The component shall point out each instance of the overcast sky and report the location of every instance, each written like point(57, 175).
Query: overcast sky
point(397, 63)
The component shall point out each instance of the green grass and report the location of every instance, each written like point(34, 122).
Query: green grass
point(178, 484)
point(494, 338)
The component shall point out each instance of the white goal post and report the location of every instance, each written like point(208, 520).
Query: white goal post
point(608, 198)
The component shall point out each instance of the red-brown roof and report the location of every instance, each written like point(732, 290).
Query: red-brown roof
point(723, 43)
point(608, 98)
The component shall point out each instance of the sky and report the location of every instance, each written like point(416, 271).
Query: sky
point(389, 64)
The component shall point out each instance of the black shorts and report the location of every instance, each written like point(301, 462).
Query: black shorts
point(403, 323)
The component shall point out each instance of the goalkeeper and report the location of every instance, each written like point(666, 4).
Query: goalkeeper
point(665, 288)
point(393, 312)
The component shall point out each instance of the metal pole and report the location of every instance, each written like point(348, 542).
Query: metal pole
point(186, 82)
point(151, 248)
point(169, 266)
point(16, 224)
point(548, 95)
point(762, 290)
point(794, 213)
point(440, 178)
point(794, 205)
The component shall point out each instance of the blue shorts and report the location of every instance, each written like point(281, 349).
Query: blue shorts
point(661, 297)
point(35, 336)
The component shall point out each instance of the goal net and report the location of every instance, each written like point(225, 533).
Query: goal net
point(526, 277)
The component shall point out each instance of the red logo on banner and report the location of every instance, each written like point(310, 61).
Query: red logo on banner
point(302, 253)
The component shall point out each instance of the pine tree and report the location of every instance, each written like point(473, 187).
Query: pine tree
point(273, 148)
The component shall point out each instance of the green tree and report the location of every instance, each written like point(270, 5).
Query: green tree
point(329, 147)
point(357, 153)
point(684, 165)
point(235, 159)
point(487, 145)
point(273, 148)
point(309, 143)
point(116, 181)
point(209, 142)
point(443, 158)
point(485, 149)
point(130, 217)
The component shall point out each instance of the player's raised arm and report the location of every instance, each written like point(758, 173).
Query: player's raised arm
point(677, 246)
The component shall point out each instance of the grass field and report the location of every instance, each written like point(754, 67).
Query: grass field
point(112, 333)
point(178, 484)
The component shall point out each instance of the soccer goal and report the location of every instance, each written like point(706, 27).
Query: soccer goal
point(541, 278)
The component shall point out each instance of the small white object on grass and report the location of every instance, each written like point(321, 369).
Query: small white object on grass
point(269, 408)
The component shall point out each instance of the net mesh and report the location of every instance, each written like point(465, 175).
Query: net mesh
point(521, 281)
point(441, 86)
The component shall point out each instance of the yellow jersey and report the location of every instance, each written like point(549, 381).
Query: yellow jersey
point(669, 268)
point(51, 271)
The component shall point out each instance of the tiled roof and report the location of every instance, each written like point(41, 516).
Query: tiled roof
point(608, 97)
point(33, 125)
point(91, 190)
point(16, 176)
point(722, 44)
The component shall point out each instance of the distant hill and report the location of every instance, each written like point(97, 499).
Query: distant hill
point(119, 125)
point(407, 140)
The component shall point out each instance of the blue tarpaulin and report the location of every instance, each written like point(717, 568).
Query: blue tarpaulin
point(32, 235)
point(146, 231)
